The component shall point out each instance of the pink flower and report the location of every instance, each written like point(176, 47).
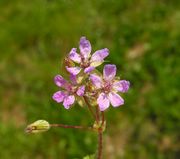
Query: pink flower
point(84, 59)
point(70, 90)
point(109, 88)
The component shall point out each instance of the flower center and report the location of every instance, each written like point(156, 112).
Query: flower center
point(71, 89)
point(107, 87)
point(84, 63)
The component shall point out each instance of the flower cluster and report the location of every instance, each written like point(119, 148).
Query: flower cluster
point(86, 81)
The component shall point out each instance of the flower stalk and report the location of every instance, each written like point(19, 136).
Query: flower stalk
point(87, 87)
point(100, 133)
point(71, 126)
point(100, 140)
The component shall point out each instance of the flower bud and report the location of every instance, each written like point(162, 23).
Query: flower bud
point(80, 101)
point(37, 127)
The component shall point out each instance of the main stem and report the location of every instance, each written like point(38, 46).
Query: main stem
point(100, 133)
point(100, 121)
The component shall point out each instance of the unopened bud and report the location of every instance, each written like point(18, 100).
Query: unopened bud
point(38, 126)
point(80, 101)
point(80, 78)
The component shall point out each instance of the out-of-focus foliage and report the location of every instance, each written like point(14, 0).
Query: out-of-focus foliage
point(143, 37)
point(89, 157)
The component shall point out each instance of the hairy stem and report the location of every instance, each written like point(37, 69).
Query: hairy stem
point(102, 118)
point(97, 117)
point(71, 126)
point(100, 135)
point(97, 114)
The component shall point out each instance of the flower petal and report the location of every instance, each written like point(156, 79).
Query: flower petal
point(80, 91)
point(89, 69)
point(68, 101)
point(96, 80)
point(109, 72)
point(103, 102)
point(73, 79)
point(73, 70)
point(98, 57)
point(73, 55)
point(115, 99)
point(59, 96)
point(121, 86)
point(85, 47)
point(60, 81)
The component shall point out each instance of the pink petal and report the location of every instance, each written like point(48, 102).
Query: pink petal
point(73, 70)
point(109, 72)
point(59, 96)
point(121, 86)
point(85, 47)
point(103, 102)
point(73, 79)
point(60, 81)
point(99, 56)
point(73, 55)
point(68, 101)
point(115, 99)
point(89, 69)
point(80, 91)
point(96, 80)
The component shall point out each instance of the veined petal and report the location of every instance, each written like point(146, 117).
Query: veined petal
point(121, 86)
point(115, 99)
point(68, 101)
point(80, 91)
point(109, 72)
point(96, 80)
point(59, 96)
point(103, 102)
point(89, 69)
point(60, 81)
point(74, 56)
point(73, 70)
point(99, 56)
point(85, 47)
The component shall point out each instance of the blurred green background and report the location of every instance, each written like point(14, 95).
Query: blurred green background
point(143, 37)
